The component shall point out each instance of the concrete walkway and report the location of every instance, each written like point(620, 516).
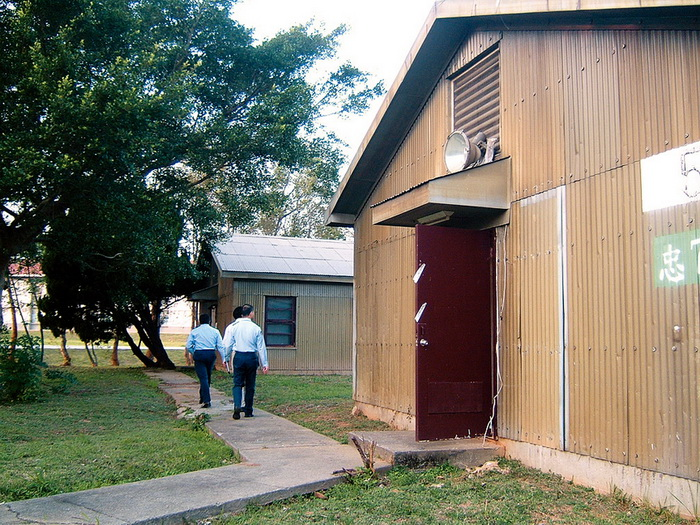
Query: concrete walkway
point(279, 459)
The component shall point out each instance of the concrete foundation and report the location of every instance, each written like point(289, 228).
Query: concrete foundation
point(397, 420)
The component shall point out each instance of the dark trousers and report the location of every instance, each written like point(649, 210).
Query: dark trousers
point(245, 368)
point(204, 361)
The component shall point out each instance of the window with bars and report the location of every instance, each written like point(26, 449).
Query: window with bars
point(476, 97)
point(280, 321)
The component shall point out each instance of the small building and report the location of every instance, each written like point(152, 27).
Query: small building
point(301, 290)
point(25, 284)
point(526, 208)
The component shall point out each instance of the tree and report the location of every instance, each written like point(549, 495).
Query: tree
point(107, 105)
point(297, 200)
point(172, 94)
point(114, 264)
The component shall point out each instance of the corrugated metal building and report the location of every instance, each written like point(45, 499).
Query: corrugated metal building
point(539, 282)
point(301, 290)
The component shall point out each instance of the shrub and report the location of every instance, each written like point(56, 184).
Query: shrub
point(20, 368)
point(58, 381)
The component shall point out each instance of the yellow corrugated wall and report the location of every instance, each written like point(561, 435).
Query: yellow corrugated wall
point(531, 335)
point(323, 323)
point(385, 343)
point(579, 111)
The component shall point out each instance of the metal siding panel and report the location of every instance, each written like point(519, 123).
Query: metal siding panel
point(511, 405)
point(598, 363)
point(532, 92)
point(592, 102)
point(385, 334)
point(620, 392)
point(634, 396)
point(324, 323)
point(666, 374)
point(531, 369)
point(661, 73)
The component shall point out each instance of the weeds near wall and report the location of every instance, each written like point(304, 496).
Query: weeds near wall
point(695, 502)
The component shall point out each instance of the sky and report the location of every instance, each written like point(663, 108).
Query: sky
point(379, 36)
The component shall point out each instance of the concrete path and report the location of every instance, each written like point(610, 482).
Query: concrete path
point(279, 459)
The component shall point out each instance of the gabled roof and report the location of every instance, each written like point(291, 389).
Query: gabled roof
point(448, 24)
point(22, 270)
point(288, 258)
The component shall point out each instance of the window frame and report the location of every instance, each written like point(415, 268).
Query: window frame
point(287, 322)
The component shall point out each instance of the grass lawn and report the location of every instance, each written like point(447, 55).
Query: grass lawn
point(116, 426)
point(79, 358)
point(168, 339)
point(447, 495)
point(439, 495)
point(113, 426)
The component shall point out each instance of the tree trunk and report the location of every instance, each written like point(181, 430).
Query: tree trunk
point(13, 315)
point(5, 258)
point(91, 355)
point(64, 351)
point(115, 350)
point(136, 350)
point(147, 324)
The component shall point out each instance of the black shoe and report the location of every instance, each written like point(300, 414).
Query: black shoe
point(236, 413)
point(206, 405)
point(249, 415)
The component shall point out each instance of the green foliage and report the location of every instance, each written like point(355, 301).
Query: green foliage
point(20, 368)
point(172, 95)
point(137, 133)
point(199, 422)
point(296, 204)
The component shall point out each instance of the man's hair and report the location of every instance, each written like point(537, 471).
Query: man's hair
point(237, 312)
point(246, 309)
point(204, 318)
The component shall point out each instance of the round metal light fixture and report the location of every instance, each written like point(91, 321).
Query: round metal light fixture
point(460, 152)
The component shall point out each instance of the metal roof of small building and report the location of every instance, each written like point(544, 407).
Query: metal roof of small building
point(270, 257)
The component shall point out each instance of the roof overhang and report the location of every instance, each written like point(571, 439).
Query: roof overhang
point(477, 198)
point(339, 279)
point(210, 293)
point(448, 24)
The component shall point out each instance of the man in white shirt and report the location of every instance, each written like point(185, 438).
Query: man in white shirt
point(202, 343)
point(245, 340)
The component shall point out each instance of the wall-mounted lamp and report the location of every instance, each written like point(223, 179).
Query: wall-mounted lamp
point(435, 218)
point(461, 152)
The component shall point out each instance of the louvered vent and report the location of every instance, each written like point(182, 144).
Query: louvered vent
point(476, 98)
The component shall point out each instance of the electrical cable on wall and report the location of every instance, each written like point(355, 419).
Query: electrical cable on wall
point(501, 236)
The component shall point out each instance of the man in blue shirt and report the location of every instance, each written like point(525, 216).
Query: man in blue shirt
point(245, 340)
point(202, 343)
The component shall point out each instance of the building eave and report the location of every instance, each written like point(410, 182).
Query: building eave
point(448, 24)
point(288, 277)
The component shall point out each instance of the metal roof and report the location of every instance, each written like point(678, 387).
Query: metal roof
point(269, 257)
point(448, 24)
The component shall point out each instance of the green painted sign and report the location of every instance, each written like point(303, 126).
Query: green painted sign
point(676, 259)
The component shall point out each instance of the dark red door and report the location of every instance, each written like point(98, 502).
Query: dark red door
point(454, 335)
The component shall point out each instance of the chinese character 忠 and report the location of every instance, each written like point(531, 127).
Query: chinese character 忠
point(673, 270)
